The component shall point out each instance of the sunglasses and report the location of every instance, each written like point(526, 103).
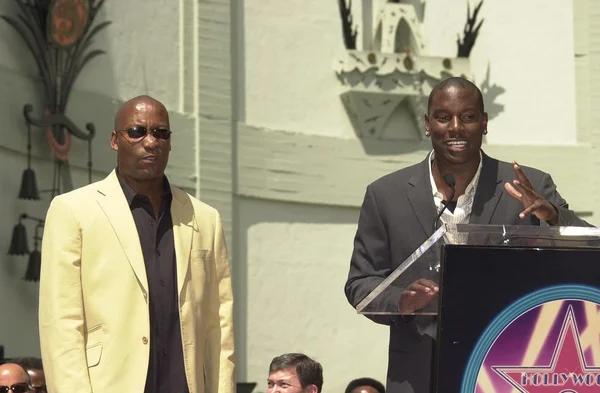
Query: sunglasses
point(16, 388)
point(136, 133)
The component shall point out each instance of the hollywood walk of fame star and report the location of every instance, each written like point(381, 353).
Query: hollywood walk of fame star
point(567, 372)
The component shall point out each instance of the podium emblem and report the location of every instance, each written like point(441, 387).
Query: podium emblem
point(546, 342)
point(568, 369)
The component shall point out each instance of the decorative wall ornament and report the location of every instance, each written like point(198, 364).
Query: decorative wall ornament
point(470, 31)
point(59, 34)
point(349, 32)
point(397, 70)
point(398, 30)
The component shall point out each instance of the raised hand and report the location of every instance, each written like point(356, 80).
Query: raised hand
point(522, 190)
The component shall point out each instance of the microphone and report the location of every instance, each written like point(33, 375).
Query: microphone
point(450, 181)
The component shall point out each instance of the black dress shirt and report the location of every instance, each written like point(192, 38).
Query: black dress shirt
point(166, 372)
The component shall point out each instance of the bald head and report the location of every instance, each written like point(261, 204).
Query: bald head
point(137, 104)
point(11, 373)
point(457, 82)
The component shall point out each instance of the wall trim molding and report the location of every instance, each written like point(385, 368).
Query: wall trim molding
point(214, 108)
point(302, 168)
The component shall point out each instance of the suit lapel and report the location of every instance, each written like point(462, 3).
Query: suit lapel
point(489, 192)
point(420, 196)
point(112, 201)
point(182, 213)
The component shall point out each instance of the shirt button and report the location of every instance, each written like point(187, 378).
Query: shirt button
point(145, 340)
point(151, 223)
point(157, 252)
point(162, 283)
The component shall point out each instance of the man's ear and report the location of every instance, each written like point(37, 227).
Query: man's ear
point(311, 389)
point(427, 132)
point(113, 141)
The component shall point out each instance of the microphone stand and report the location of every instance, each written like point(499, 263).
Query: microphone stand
point(451, 182)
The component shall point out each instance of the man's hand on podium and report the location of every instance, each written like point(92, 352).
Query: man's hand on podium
point(523, 191)
point(418, 295)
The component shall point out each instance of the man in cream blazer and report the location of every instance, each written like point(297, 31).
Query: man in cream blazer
point(99, 290)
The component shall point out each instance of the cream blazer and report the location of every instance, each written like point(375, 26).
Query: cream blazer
point(93, 311)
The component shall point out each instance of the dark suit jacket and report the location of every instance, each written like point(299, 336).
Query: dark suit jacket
point(396, 218)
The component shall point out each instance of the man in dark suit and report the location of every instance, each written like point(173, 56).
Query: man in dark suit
point(399, 210)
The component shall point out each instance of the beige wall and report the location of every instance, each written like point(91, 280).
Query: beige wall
point(296, 258)
point(528, 47)
point(290, 48)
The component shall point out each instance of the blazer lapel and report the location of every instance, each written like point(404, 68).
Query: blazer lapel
point(112, 201)
point(489, 192)
point(420, 196)
point(182, 213)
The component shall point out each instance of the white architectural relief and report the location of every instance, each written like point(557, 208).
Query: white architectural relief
point(397, 70)
point(398, 30)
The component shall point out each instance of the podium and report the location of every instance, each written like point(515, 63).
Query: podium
point(515, 308)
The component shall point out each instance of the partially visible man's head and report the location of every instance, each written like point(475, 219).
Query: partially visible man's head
point(457, 82)
point(365, 385)
point(14, 379)
point(141, 138)
point(295, 373)
point(35, 369)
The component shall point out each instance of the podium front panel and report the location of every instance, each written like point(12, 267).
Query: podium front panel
point(395, 296)
point(519, 319)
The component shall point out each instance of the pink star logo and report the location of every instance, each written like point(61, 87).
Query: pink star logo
point(567, 372)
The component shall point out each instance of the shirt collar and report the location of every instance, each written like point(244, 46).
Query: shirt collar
point(470, 188)
point(131, 195)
